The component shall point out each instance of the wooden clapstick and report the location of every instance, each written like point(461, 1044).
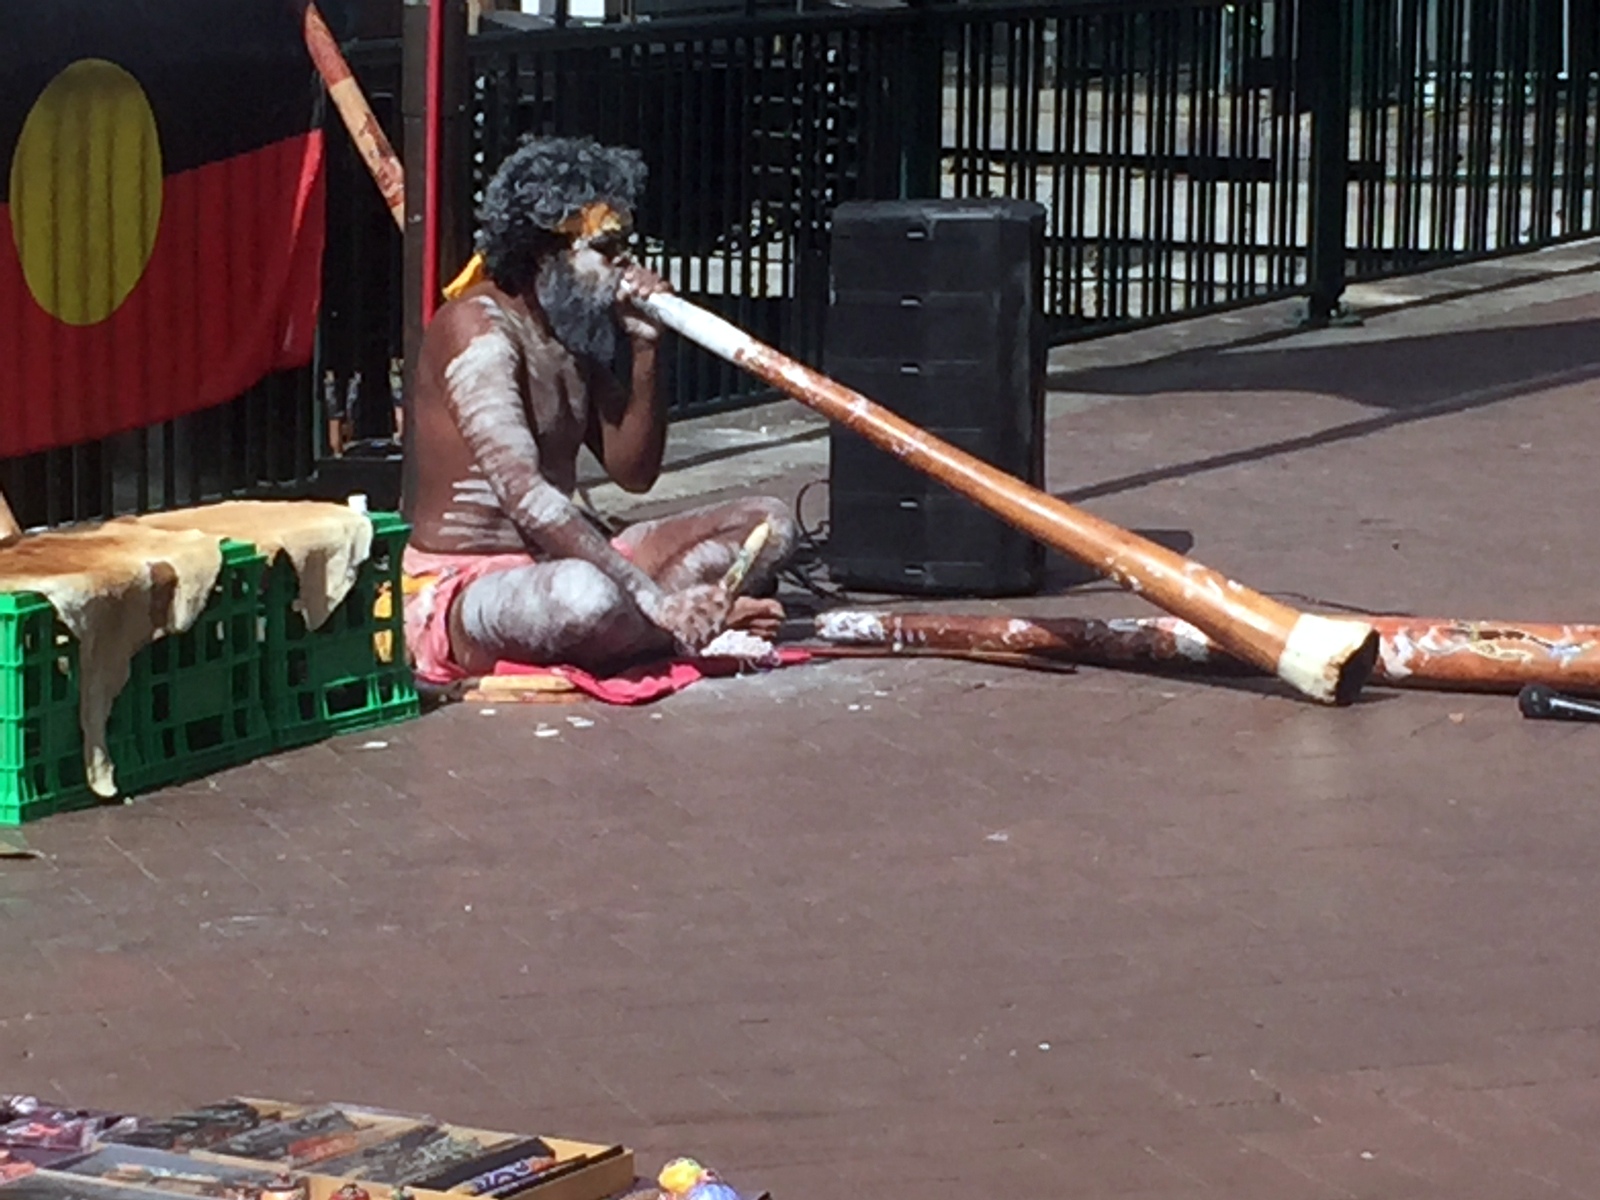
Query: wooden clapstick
point(733, 581)
point(1328, 659)
point(522, 689)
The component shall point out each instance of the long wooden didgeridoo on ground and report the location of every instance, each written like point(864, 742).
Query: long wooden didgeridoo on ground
point(1328, 659)
point(357, 114)
point(1414, 652)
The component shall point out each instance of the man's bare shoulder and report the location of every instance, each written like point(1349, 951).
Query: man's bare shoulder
point(482, 309)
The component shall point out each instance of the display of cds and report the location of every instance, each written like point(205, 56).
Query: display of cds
point(241, 1149)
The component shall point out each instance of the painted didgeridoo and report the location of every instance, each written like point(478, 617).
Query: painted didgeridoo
point(1413, 652)
point(1328, 659)
point(368, 136)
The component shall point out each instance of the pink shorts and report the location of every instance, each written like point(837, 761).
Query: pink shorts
point(431, 583)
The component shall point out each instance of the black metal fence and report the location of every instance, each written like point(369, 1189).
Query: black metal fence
point(260, 443)
point(1192, 155)
point(1474, 128)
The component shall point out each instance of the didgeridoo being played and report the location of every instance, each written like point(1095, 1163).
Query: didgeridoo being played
point(1328, 659)
point(1414, 652)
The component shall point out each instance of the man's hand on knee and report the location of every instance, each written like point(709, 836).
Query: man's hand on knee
point(693, 616)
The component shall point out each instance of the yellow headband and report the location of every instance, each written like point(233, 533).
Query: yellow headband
point(592, 220)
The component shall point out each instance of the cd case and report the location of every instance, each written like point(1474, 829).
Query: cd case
point(165, 1171)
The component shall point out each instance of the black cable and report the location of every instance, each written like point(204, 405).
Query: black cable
point(810, 559)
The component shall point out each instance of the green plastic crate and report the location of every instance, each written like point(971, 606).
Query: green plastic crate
point(192, 703)
point(41, 746)
point(352, 673)
point(198, 695)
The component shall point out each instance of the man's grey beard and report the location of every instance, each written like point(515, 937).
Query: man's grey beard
point(578, 305)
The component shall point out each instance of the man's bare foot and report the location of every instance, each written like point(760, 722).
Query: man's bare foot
point(762, 618)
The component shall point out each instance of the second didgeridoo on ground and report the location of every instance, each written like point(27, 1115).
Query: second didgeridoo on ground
point(1414, 652)
point(1328, 659)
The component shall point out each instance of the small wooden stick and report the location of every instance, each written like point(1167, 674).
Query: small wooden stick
point(748, 553)
point(493, 687)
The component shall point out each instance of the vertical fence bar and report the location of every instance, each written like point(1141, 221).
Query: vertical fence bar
point(922, 111)
point(1546, 54)
point(1323, 32)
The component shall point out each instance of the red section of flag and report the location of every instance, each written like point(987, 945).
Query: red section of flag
point(229, 296)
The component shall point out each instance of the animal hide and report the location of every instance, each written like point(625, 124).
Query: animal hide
point(116, 587)
point(326, 543)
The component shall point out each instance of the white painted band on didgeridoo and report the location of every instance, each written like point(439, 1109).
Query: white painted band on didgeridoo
point(709, 330)
point(1316, 651)
point(851, 628)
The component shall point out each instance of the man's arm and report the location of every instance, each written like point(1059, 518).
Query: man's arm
point(484, 401)
point(628, 429)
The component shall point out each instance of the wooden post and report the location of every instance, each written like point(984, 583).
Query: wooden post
point(413, 112)
point(434, 245)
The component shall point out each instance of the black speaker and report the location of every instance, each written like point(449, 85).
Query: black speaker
point(936, 313)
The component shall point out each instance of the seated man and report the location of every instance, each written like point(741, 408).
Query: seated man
point(515, 376)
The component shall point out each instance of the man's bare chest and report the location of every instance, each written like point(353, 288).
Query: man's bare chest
point(555, 400)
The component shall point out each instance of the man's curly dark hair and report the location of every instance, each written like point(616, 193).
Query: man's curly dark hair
point(545, 181)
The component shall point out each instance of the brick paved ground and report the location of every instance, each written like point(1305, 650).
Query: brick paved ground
point(916, 929)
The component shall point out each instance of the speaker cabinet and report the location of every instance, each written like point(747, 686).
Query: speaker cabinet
point(936, 313)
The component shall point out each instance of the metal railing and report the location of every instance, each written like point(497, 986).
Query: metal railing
point(1474, 129)
point(1192, 155)
point(1165, 141)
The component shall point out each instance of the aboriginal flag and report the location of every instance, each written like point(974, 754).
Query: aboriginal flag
point(161, 210)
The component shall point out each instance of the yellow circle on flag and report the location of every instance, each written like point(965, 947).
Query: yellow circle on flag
point(86, 191)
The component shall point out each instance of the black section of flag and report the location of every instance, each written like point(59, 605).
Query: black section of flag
point(223, 77)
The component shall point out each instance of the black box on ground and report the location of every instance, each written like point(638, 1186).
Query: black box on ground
point(936, 313)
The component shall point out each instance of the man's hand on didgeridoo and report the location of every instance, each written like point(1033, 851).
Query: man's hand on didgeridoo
point(639, 282)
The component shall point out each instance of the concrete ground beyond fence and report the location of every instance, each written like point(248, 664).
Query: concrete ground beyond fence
point(935, 930)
